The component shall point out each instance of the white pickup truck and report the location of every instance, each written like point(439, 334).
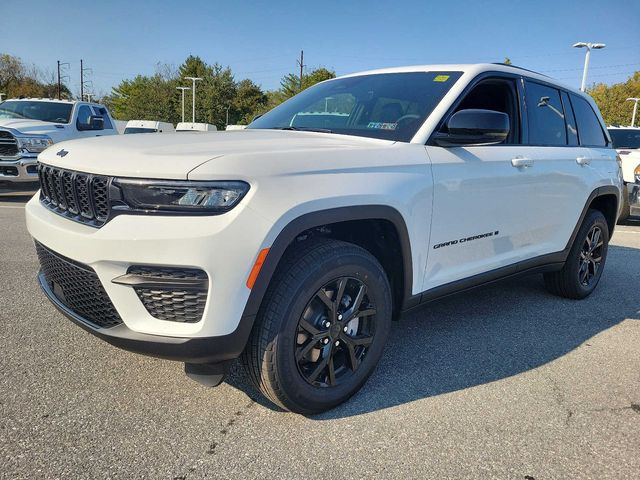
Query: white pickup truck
point(29, 125)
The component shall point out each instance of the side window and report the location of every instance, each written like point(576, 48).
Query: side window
point(102, 112)
point(545, 115)
point(570, 120)
point(500, 95)
point(589, 128)
point(84, 112)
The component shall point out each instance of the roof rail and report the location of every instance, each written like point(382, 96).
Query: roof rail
point(519, 68)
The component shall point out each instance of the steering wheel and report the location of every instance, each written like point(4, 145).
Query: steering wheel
point(409, 116)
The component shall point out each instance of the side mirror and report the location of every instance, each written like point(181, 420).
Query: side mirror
point(474, 127)
point(96, 122)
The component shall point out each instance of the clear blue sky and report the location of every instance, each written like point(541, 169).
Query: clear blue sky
point(262, 40)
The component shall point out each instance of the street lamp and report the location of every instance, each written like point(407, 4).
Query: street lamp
point(193, 103)
point(635, 109)
point(589, 46)
point(183, 89)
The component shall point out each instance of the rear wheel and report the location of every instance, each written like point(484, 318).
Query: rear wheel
point(322, 327)
point(583, 267)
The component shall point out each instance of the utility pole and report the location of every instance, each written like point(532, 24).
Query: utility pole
point(81, 81)
point(60, 78)
point(302, 65)
point(635, 109)
point(589, 46)
point(193, 102)
point(227, 122)
point(183, 89)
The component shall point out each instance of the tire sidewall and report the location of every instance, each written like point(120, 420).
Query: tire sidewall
point(350, 264)
point(593, 218)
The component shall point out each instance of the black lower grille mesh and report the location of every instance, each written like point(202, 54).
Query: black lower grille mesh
point(77, 286)
point(174, 304)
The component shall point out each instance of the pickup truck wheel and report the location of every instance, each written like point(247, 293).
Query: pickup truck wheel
point(322, 327)
point(585, 263)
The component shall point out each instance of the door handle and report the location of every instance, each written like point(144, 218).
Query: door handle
point(583, 160)
point(521, 162)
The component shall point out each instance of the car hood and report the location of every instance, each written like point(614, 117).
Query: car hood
point(174, 155)
point(56, 131)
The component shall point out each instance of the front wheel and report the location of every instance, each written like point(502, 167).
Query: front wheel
point(322, 327)
point(585, 263)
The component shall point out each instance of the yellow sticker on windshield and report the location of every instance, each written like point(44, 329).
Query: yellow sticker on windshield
point(441, 78)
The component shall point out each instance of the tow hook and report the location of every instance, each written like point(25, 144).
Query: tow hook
point(208, 374)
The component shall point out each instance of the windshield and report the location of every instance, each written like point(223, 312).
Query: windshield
point(54, 112)
point(389, 106)
point(139, 130)
point(625, 138)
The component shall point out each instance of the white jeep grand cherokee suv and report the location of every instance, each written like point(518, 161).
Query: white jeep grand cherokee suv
point(292, 244)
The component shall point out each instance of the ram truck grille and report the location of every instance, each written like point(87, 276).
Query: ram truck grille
point(8, 144)
point(78, 287)
point(82, 197)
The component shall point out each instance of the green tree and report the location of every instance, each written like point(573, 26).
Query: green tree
point(612, 99)
point(145, 98)
point(249, 99)
point(507, 61)
point(18, 80)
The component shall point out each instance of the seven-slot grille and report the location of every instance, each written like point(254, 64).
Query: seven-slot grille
point(77, 286)
point(80, 196)
point(8, 144)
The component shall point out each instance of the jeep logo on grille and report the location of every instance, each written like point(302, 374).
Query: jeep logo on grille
point(62, 153)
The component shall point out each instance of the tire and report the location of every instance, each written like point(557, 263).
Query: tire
point(287, 345)
point(572, 281)
point(626, 206)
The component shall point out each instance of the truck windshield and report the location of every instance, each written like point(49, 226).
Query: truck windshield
point(625, 137)
point(139, 130)
point(389, 106)
point(54, 112)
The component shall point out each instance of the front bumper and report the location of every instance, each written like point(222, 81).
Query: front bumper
point(633, 190)
point(224, 246)
point(21, 170)
point(189, 350)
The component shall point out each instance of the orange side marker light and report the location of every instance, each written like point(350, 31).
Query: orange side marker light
point(253, 276)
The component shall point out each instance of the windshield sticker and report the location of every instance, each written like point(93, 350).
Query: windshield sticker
point(382, 126)
point(441, 78)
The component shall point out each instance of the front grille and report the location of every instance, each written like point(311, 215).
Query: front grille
point(172, 303)
point(77, 286)
point(80, 196)
point(9, 171)
point(8, 144)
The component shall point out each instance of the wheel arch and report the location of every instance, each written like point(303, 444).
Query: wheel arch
point(315, 221)
point(605, 199)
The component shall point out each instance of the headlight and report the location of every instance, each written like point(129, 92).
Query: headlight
point(181, 196)
point(34, 144)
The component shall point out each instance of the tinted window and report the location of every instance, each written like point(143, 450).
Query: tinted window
point(545, 115)
point(572, 130)
point(84, 112)
point(625, 137)
point(56, 112)
point(130, 130)
point(102, 112)
point(390, 106)
point(589, 129)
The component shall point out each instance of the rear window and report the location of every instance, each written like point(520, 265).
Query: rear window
point(625, 137)
point(589, 128)
point(545, 115)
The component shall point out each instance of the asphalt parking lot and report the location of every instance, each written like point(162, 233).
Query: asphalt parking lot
point(504, 382)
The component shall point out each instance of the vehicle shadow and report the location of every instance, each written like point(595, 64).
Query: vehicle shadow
point(487, 334)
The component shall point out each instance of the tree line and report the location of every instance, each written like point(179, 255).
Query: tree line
point(155, 97)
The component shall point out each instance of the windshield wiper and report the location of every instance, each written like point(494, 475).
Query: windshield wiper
point(304, 129)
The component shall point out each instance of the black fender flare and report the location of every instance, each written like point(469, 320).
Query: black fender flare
point(323, 217)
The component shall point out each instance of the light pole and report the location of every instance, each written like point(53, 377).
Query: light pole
point(193, 103)
point(228, 107)
point(635, 109)
point(183, 89)
point(589, 46)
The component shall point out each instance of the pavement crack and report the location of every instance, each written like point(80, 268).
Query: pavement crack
point(211, 450)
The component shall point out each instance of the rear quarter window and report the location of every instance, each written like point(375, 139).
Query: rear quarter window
point(545, 115)
point(589, 129)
